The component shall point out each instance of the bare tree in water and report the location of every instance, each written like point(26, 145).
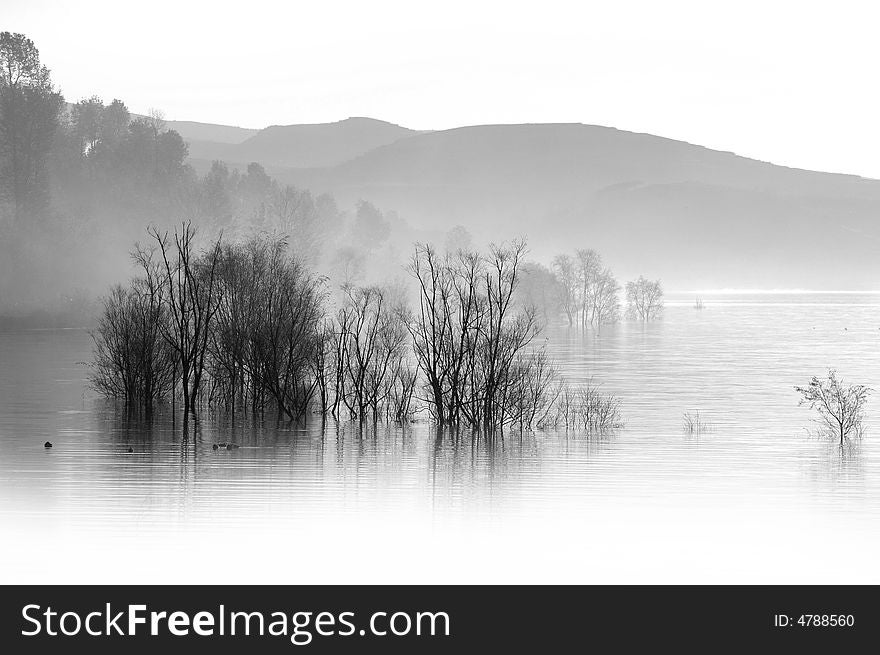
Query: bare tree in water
point(644, 299)
point(565, 270)
point(469, 339)
point(604, 299)
point(190, 283)
point(841, 406)
point(371, 340)
point(589, 268)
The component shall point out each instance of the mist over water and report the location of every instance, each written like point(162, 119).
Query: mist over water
point(723, 505)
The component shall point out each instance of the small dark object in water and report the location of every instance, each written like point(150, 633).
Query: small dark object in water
point(48, 444)
point(130, 450)
point(222, 444)
point(215, 446)
point(230, 446)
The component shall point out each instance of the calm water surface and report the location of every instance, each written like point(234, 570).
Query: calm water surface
point(754, 494)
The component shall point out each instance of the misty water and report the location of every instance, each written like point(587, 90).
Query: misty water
point(755, 493)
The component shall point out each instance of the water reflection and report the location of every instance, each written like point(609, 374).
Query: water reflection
point(735, 362)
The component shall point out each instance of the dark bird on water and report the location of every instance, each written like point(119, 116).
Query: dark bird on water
point(215, 446)
point(130, 450)
point(230, 446)
point(48, 444)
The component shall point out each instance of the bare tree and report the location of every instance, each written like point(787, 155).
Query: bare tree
point(695, 423)
point(604, 299)
point(431, 329)
point(503, 336)
point(152, 315)
point(131, 361)
point(190, 284)
point(565, 269)
point(535, 390)
point(589, 292)
point(371, 342)
point(348, 266)
point(644, 299)
point(599, 412)
point(267, 340)
point(588, 265)
point(841, 407)
point(585, 407)
point(467, 337)
point(285, 333)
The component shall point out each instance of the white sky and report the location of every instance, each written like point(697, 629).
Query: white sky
point(795, 83)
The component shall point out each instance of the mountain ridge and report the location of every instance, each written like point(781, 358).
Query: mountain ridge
point(656, 206)
point(300, 144)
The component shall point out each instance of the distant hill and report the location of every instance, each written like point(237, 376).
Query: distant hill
point(207, 132)
point(693, 216)
point(316, 145)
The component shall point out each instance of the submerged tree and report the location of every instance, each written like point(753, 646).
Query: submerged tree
point(192, 300)
point(589, 268)
point(131, 361)
point(644, 299)
point(604, 299)
point(565, 271)
point(841, 406)
point(588, 291)
point(469, 340)
point(540, 288)
point(266, 329)
point(371, 341)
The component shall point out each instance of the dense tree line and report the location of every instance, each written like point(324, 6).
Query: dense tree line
point(79, 181)
point(29, 110)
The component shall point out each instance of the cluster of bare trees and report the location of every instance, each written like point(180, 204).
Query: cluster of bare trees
point(246, 327)
point(585, 408)
point(233, 325)
point(131, 359)
point(265, 330)
point(475, 350)
point(590, 294)
point(471, 345)
point(369, 364)
point(583, 290)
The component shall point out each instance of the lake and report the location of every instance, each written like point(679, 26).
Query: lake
point(756, 497)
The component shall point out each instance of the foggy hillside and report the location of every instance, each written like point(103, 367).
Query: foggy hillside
point(317, 145)
point(693, 216)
